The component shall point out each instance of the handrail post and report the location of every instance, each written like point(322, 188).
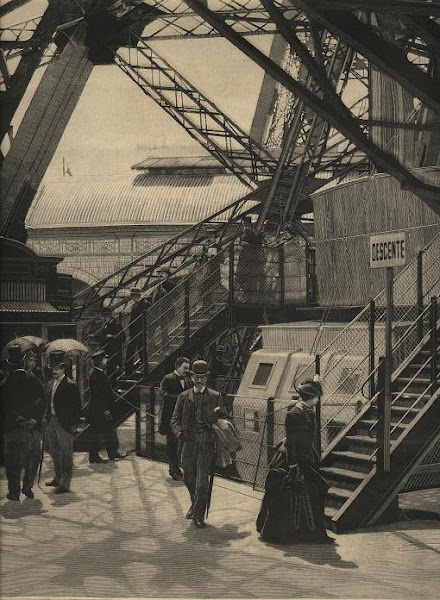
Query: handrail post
point(231, 274)
point(383, 424)
point(420, 293)
point(282, 274)
point(372, 346)
point(270, 439)
point(186, 311)
point(434, 345)
point(144, 353)
point(318, 440)
point(310, 275)
point(138, 423)
point(151, 418)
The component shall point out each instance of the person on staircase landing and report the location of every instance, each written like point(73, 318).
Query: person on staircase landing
point(113, 334)
point(292, 509)
point(251, 277)
point(135, 347)
point(165, 318)
point(195, 412)
point(170, 387)
point(100, 412)
point(22, 406)
point(62, 416)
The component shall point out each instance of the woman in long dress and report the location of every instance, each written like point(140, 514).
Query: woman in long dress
point(292, 510)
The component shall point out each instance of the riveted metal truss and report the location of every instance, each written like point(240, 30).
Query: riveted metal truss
point(200, 117)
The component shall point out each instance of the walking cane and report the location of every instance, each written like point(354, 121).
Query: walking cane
point(41, 456)
point(211, 483)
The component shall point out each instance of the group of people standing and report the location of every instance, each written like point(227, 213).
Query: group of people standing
point(41, 416)
point(36, 417)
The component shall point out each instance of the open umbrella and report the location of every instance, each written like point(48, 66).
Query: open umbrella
point(24, 343)
point(68, 346)
point(37, 341)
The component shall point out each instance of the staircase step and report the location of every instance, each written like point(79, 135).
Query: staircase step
point(337, 496)
point(352, 461)
point(368, 428)
point(345, 478)
point(329, 512)
point(361, 443)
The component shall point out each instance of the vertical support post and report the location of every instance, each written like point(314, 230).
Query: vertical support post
point(310, 275)
point(152, 411)
point(371, 343)
point(388, 368)
point(420, 293)
point(380, 437)
point(318, 440)
point(186, 311)
point(282, 275)
point(144, 353)
point(231, 274)
point(434, 345)
point(270, 426)
point(138, 423)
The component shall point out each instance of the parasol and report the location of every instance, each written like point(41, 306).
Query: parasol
point(37, 341)
point(24, 343)
point(68, 346)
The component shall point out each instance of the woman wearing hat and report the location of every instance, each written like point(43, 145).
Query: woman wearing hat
point(293, 505)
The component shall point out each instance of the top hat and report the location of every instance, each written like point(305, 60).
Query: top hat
point(309, 389)
point(135, 290)
point(99, 355)
point(57, 359)
point(199, 367)
point(15, 356)
point(247, 219)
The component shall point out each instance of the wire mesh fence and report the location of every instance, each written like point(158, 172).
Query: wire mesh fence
point(348, 365)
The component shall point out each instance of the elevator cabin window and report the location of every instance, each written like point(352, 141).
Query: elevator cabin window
point(262, 374)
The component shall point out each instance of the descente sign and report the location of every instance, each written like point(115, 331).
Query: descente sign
point(388, 250)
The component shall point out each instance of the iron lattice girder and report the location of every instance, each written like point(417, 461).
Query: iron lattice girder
point(399, 7)
point(53, 17)
point(201, 118)
point(426, 28)
point(11, 6)
point(326, 108)
point(387, 57)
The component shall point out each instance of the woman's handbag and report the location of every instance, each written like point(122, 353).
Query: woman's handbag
point(227, 435)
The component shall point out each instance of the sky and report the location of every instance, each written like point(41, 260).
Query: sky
point(116, 125)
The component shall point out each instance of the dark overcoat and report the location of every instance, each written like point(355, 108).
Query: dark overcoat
point(66, 402)
point(183, 419)
point(101, 399)
point(170, 388)
point(22, 395)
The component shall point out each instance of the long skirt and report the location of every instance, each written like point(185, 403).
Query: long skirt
point(290, 513)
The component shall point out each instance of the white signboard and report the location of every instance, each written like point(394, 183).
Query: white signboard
point(388, 250)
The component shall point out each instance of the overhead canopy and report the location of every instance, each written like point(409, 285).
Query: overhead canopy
point(143, 200)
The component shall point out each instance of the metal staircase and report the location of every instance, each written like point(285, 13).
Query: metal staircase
point(198, 308)
point(353, 432)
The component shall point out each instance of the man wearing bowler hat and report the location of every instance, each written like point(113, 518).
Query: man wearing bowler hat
point(100, 411)
point(22, 403)
point(170, 387)
point(62, 416)
point(196, 411)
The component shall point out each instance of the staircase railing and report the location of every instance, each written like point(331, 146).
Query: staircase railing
point(350, 361)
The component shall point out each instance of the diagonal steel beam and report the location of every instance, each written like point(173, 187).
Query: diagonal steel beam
point(387, 57)
point(11, 6)
point(348, 126)
point(426, 28)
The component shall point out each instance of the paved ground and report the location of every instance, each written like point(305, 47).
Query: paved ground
point(122, 533)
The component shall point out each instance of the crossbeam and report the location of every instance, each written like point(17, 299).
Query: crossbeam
point(347, 125)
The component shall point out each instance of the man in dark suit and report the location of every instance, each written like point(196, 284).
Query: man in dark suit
point(170, 387)
point(196, 411)
point(100, 412)
point(22, 403)
point(135, 347)
point(62, 417)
